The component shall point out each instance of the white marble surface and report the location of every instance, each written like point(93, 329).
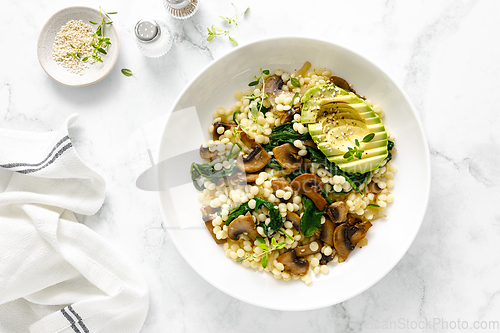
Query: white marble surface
point(444, 54)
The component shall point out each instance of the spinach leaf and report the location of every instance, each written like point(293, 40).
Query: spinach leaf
point(208, 171)
point(390, 145)
point(275, 216)
point(285, 134)
point(311, 219)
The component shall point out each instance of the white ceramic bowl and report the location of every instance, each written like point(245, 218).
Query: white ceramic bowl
point(95, 72)
point(388, 239)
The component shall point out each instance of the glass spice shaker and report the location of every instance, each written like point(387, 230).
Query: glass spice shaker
point(154, 38)
point(181, 9)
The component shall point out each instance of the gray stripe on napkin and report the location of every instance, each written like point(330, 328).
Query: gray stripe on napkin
point(59, 153)
point(71, 321)
point(80, 321)
point(13, 165)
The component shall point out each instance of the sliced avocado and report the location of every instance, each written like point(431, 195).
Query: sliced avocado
point(336, 118)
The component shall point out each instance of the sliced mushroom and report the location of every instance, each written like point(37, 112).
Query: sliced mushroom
point(242, 224)
point(341, 83)
point(309, 143)
point(210, 228)
point(207, 154)
point(310, 185)
point(256, 160)
point(337, 211)
point(292, 264)
point(207, 213)
point(353, 220)
point(287, 156)
point(287, 116)
point(273, 85)
point(250, 177)
point(280, 184)
point(374, 188)
point(359, 233)
point(327, 230)
point(308, 249)
point(326, 259)
point(341, 241)
point(294, 218)
point(225, 125)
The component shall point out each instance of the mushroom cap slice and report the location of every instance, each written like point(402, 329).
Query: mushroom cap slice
point(210, 228)
point(327, 230)
point(273, 85)
point(226, 125)
point(308, 249)
point(358, 232)
point(374, 188)
point(280, 184)
point(292, 264)
point(311, 186)
point(205, 153)
point(207, 213)
point(337, 211)
point(256, 160)
point(242, 224)
point(294, 218)
point(287, 156)
point(341, 83)
point(341, 241)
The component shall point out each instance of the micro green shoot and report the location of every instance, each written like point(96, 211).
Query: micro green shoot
point(214, 31)
point(293, 99)
point(267, 250)
point(255, 107)
point(353, 152)
point(373, 206)
point(99, 43)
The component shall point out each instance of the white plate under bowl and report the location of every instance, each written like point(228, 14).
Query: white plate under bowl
point(95, 72)
point(388, 239)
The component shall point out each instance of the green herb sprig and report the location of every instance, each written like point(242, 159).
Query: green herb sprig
point(257, 107)
point(98, 42)
point(353, 152)
point(267, 250)
point(232, 21)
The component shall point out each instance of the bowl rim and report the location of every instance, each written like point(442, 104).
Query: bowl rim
point(45, 26)
point(427, 165)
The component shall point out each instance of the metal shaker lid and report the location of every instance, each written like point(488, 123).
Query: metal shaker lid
point(147, 30)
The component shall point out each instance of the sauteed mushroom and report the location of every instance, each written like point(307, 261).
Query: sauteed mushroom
point(311, 248)
point(287, 156)
point(210, 228)
point(337, 211)
point(225, 125)
point(256, 160)
point(310, 185)
point(292, 264)
point(242, 224)
point(374, 188)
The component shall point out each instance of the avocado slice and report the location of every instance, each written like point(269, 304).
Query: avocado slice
point(335, 119)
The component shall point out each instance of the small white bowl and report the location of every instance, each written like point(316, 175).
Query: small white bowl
point(96, 71)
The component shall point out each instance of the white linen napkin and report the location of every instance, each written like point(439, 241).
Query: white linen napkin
point(57, 275)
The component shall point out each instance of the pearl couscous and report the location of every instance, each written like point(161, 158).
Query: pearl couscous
point(267, 200)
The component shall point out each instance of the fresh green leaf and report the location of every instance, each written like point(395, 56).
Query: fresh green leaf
point(390, 145)
point(295, 82)
point(72, 46)
point(101, 50)
point(253, 83)
point(264, 261)
point(265, 71)
point(111, 13)
point(93, 22)
point(232, 40)
point(373, 205)
point(85, 59)
point(369, 137)
point(311, 219)
point(127, 72)
point(260, 240)
point(263, 246)
point(210, 37)
point(356, 142)
point(274, 242)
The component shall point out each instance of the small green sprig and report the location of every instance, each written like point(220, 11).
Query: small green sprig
point(98, 42)
point(267, 250)
point(295, 82)
point(232, 21)
point(355, 151)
